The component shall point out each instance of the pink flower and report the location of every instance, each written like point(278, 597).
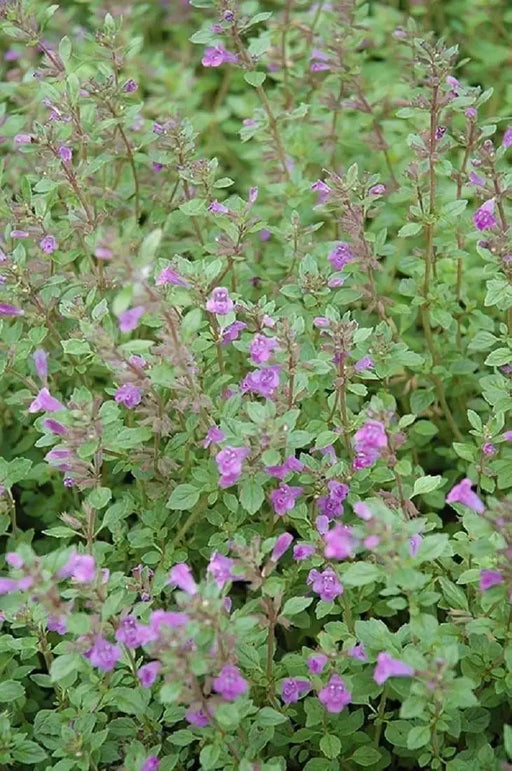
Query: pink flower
point(130, 86)
point(293, 688)
point(65, 154)
point(462, 493)
point(264, 381)
point(218, 208)
point(150, 764)
point(335, 696)
point(45, 402)
point(365, 363)
point(229, 463)
point(362, 511)
point(339, 543)
point(388, 667)
point(414, 544)
point(220, 568)
point(317, 663)
point(215, 56)
point(103, 654)
point(80, 567)
point(55, 427)
point(8, 585)
point(489, 449)
point(507, 436)
point(319, 61)
point(302, 551)
point(14, 560)
point(129, 395)
point(490, 578)
point(358, 652)
point(261, 348)
point(6, 309)
point(283, 499)
point(323, 191)
point(377, 190)
point(232, 332)
point(280, 472)
point(131, 633)
point(341, 255)
point(129, 320)
point(326, 584)
point(170, 276)
point(214, 436)
point(282, 544)
point(229, 683)
point(369, 440)
point(197, 717)
point(148, 673)
point(181, 576)
point(22, 139)
point(48, 244)
point(57, 624)
point(507, 138)
point(484, 218)
point(41, 362)
point(220, 302)
point(171, 619)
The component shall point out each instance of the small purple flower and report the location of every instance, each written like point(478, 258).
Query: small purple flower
point(131, 633)
point(319, 61)
point(507, 436)
point(484, 218)
point(362, 511)
point(293, 688)
point(103, 654)
point(8, 585)
point(414, 544)
point(157, 167)
point(316, 663)
point(470, 113)
point(490, 578)
point(341, 255)
point(129, 395)
point(148, 673)
point(280, 472)
point(164, 618)
point(321, 322)
point(218, 208)
point(229, 683)
point(264, 381)
point(48, 244)
point(326, 584)
point(14, 560)
point(323, 191)
point(197, 717)
point(6, 309)
point(170, 276)
point(214, 436)
point(303, 551)
point(282, 544)
point(137, 361)
point(215, 56)
point(181, 576)
point(476, 180)
point(265, 234)
point(489, 449)
point(19, 234)
point(335, 282)
point(22, 139)
point(507, 138)
point(358, 652)
point(219, 301)
point(80, 567)
point(55, 427)
point(57, 624)
point(329, 507)
point(221, 569)
point(339, 543)
point(130, 86)
point(261, 348)
point(150, 764)
point(381, 189)
point(232, 332)
point(388, 667)
point(283, 499)
point(129, 320)
point(365, 363)
point(229, 463)
point(41, 362)
point(335, 696)
point(322, 523)
point(45, 402)
point(462, 493)
point(65, 154)
point(104, 253)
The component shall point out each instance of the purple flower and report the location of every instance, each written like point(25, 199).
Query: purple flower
point(220, 568)
point(45, 402)
point(335, 696)
point(265, 234)
point(362, 510)
point(319, 61)
point(103, 654)
point(470, 113)
point(150, 764)
point(104, 253)
point(41, 362)
point(172, 619)
point(131, 633)
point(261, 348)
point(264, 381)
point(19, 234)
point(148, 673)
point(48, 244)
point(130, 86)
point(232, 332)
point(137, 361)
point(358, 652)
point(22, 139)
point(55, 427)
point(283, 499)
point(414, 544)
point(218, 208)
point(6, 309)
point(229, 463)
point(57, 624)
point(326, 584)
point(329, 507)
point(507, 436)
point(335, 281)
point(170, 276)
point(484, 218)
point(229, 683)
point(338, 491)
point(339, 543)
point(293, 688)
point(369, 440)
point(181, 576)
point(381, 189)
point(302, 551)
point(507, 138)
point(321, 322)
point(215, 56)
point(14, 560)
point(280, 472)
point(388, 667)
point(214, 436)
point(323, 191)
point(489, 449)
point(157, 167)
point(8, 585)
point(282, 544)
point(341, 255)
point(462, 493)
point(129, 320)
point(476, 180)
point(219, 301)
point(365, 363)
point(316, 663)
point(80, 567)
point(490, 578)
point(129, 395)
point(197, 717)
point(322, 523)
point(65, 154)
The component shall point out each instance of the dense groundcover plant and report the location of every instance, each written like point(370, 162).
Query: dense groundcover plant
point(256, 393)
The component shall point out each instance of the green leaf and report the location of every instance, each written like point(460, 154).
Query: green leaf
point(268, 716)
point(366, 756)
point(65, 49)
point(183, 497)
point(150, 246)
point(254, 78)
point(62, 666)
point(499, 357)
point(418, 737)
point(361, 573)
point(296, 605)
point(194, 207)
point(28, 752)
point(76, 347)
point(330, 746)
point(10, 690)
point(252, 495)
point(209, 756)
point(507, 736)
point(99, 497)
point(411, 229)
point(426, 484)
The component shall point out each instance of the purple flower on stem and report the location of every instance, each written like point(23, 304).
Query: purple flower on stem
point(341, 255)
point(219, 301)
point(323, 191)
point(220, 568)
point(130, 86)
point(8, 585)
point(462, 493)
point(48, 244)
point(507, 436)
point(489, 449)
point(164, 618)
point(283, 499)
point(197, 717)
point(490, 578)
point(229, 463)
point(316, 663)
point(507, 138)
point(322, 523)
point(14, 560)
point(148, 673)
point(80, 567)
point(335, 696)
point(302, 551)
point(339, 543)
point(362, 510)
point(358, 652)
point(261, 348)
point(22, 139)
point(170, 276)
point(476, 180)
point(327, 584)
point(229, 683)
point(55, 427)
point(214, 436)
point(19, 234)
point(388, 667)
point(150, 764)
point(65, 154)
point(381, 189)
point(484, 218)
point(215, 56)
point(41, 362)
point(282, 544)
point(6, 309)
point(57, 624)
point(319, 61)
point(129, 320)
point(293, 688)
point(369, 440)
point(218, 208)
point(45, 402)
point(131, 633)
point(129, 395)
point(329, 507)
point(181, 576)
point(414, 544)
point(232, 332)
point(264, 381)
point(365, 363)
point(103, 654)
point(280, 472)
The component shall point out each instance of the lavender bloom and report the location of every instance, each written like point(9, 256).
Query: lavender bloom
point(319, 61)
point(283, 499)
point(462, 493)
point(281, 546)
point(358, 652)
point(362, 510)
point(150, 764)
point(323, 191)
point(57, 624)
point(129, 395)
point(48, 244)
point(8, 585)
point(302, 551)
point(280, 472)
point(229, 683)
point(181, 576)
point(14, 560)
point(6, 309)
point(45, 402)
point(41, 362)
point(476, 180)
point(220, 568)
point(265, 234)
point(215, 56)
point(507, 436)
point(339, 543)
point(129, 320)
point(130, 86)
point(365, 363)
point(218, 208)
point(197, 717)
point(22, 139)
point(103, 654)
point(171, 619)
point(55, 427)
point(229, 463)
point(369, 440)
point(335, 282)
point(65, 154)
point(148, 673)
point(322, 523)
point(214, 436)
point(19, 234)
point(489, 449)
point(80, 567)
point(261, 348)
point(381, 189)
point(484, 218)
point(321, 322)
point(414, 544)
point(293, 688)
point(335, 696)
point(329, 507)
point(264, 381)
point(170, 276)
point(388, 667)
point(507, 138)
point(219, 302)
point(490, 578)
point(232, 332)
point(326, 584)
point(341, 255)
point(316, 663)
point(131, 633)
